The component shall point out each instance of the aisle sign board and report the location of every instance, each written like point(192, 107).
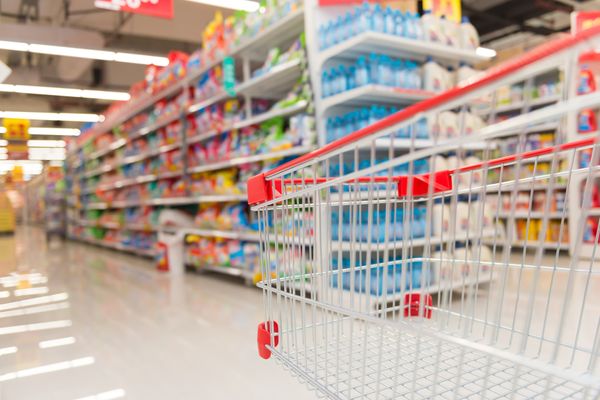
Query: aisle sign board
point(152, 8)
point(229, 76)
point(16, 129)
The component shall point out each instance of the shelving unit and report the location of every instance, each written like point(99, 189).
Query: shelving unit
point(273, 85)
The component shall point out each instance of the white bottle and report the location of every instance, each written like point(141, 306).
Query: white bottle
point(434, 76)
point(469, 38)
point(432, 31)
point(448, 121)
point(464, 72)
point(450, 32)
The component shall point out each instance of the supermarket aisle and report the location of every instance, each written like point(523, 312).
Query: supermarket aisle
point(135, 330)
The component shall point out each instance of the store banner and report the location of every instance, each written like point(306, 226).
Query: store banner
point(583, 20)
point(16, 133)
point(152, 8)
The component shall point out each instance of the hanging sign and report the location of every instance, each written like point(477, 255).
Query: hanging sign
point(152, 8)
point(16, 129)
point(451, 9)
point(229, 76)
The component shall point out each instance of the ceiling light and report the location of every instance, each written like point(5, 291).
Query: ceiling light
point(485, 52)
point(31, 291)
point(104, 55)
point(47, 116)
point(242, 5)
point(36, 300)
point(65, 92)
point(48, 131)
point(38, 326)
point(46, 143)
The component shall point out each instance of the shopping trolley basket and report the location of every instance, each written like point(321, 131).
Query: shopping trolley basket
point(396, 266)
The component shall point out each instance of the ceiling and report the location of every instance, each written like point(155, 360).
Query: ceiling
point(501, 23)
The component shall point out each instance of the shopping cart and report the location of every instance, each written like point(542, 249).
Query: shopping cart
point(400, 267)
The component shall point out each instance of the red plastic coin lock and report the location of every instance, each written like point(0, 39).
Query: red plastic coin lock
point(264, 338)
point(412, 305)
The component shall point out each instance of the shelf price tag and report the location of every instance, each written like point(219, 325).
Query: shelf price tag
point(16, 129)
point(229, 76)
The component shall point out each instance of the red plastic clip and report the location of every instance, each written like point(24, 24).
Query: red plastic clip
point(261, 190)
point(412, 303)
point(442, 181)
point(264, 338)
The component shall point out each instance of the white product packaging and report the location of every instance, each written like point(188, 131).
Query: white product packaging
point(469, 38)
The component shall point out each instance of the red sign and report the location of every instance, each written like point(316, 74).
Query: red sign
point(582, 20)
point(153, 8)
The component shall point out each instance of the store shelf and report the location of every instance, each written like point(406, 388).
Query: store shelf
point(234, 235)
point(273, 84)
point(407, 144)
point(104, 151)
point(279, 33)
point(256, 119)
point(139, 180)
point(416, 242)
point(369, 94)
point(117, 226)
point(119, 246)
point(220, 96)
point(543, 127)
point(530, 244)
point(533, 215)
point(396, 46)
point(517, 106)
point(216, 198)
point(227, 270)
point(147, 154)
point(249, 159)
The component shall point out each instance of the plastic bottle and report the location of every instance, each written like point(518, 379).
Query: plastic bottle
point(449, 32)
point(340, 32)
point(351, 77)
point(433, 76)
point(378, 19)
point(409, 31)
point(373, 68)
point(349, 26)
point(469, 38)
point(321, 36)
point(384, 70)
point(587, 82)
point(390, 25)
point(464, 72)
point(364, 117)
point(418, 27)
point(343, 79)
point(373, 114)
point(449, 78)
point(400, 74)
point(362, 72)
point(329, 34)
point(365, 18)
point(431, 28)
point(399, 22)
point(326, 84)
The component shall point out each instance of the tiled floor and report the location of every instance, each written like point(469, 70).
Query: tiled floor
point(110, 326)
point(136, 332)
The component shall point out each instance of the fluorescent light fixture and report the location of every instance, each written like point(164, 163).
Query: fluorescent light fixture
point(49, 131)
point(8, 350)
point(93, 54)
point(485, 52)
point(39, 326)
point(110, 395)
point(31, 291)
point(46, 344)
point(35, 309)
point(65, 92)
point(4, 294)
point(243, 5)
point(48, 116)
point(43, 369)
point(46, 143)
point(36, 300)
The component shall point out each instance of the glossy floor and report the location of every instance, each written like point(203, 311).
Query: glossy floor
point(110, 325)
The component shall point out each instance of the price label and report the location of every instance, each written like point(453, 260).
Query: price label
point(229, 76)
point(16, 129)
